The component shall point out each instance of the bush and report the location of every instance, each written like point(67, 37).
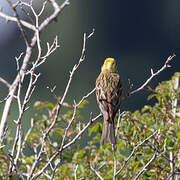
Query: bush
point(145, 141)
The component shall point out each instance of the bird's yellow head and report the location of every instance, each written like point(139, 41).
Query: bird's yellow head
point(109, 65)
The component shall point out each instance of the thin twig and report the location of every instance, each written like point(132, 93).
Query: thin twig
point(5, 82)
point(66, 146)
point(166, 65)
point(81, 132)
point(22, 109)
point(19, 23)
point(14, 19)
point(115, 162)
point(17, 61)
point(86, 96)
point(133, 151)
point(74, 114)
point(119, 119)
point(96, 172)
point(16, 168)
point(75, 172)
point(175, 172)
point(45, 135)
point(20, 76)
point(144, 168)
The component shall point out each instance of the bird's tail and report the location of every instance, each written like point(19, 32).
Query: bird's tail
point(108, 134)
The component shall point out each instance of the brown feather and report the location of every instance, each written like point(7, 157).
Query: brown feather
point(109, 90)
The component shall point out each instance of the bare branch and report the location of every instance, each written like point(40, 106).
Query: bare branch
point(134, 149)
point(54, 171)
point(115, 161)
point(50, 50)
point(144, 168)
point(75, 68)
point(119, 119)
point(66, 146)
point(91, 34)
point(17, 60)
point(19, 78)
point(5, 82)
point(22, 71)
point(57, 10)
point(96, 172)
point(22, 109)
point(175, 172)
point(16, 168)
point(74, 114)
point(75, 172)
point(166, 65)
point(2, 101)
point(81, 132)
point(19, 23)
point(86, 96)
point(67, 128)
point(14, 19)
point(68, 84)
point(27, 134)
point(45, 135)
point(42, 9)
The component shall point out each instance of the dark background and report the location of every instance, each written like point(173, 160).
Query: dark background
point(139, 34)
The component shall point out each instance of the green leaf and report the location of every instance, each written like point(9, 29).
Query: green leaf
point(178, 135)
point(60, 132)
point(41, 105)
point(125, 151)
point(95, 128)
point(83, 103)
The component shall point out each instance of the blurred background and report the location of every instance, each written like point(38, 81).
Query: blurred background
point(139, 34)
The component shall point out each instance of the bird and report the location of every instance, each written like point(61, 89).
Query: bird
point(108, 94)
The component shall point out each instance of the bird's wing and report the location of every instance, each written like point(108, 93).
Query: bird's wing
point(101, 94)
point(115, 91)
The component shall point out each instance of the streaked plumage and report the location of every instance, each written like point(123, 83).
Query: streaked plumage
point(108, 92)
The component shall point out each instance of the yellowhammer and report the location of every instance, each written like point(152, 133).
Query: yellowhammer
point(108, 93)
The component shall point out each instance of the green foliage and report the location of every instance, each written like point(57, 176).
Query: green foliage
point(134, 128)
